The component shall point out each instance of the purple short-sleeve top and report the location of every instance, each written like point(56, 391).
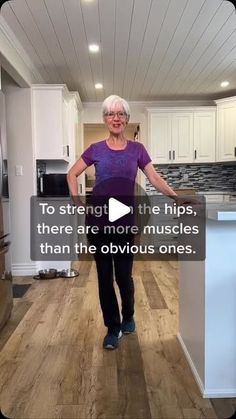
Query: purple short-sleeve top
point(116, 163)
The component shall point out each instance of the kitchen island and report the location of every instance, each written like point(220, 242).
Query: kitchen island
point(207, 326)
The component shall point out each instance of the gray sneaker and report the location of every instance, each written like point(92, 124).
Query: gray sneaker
point(111, 340)
point(128, 327)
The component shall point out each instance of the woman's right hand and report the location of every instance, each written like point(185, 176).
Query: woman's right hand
point(77, 201)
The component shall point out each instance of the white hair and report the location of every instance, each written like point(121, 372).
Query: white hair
point(113, 100)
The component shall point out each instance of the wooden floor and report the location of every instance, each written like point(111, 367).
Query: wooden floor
point(52, 364)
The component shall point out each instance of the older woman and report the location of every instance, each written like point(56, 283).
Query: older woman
point(116, 157)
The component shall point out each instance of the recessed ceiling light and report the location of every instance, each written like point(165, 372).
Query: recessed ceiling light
point(224, 83)
point(98, 86)
point(93, 47)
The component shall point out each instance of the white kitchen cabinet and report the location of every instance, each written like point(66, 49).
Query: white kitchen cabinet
point(204, 136)
point(181, 135)
point(170, 136)
point(226, 129)
point(50, 108)
point(160, 137)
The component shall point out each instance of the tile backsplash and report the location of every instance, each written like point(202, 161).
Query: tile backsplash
point(202, 177)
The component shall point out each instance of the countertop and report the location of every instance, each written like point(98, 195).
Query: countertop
point(221, 211)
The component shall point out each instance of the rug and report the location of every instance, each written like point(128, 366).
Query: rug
point(19, 290)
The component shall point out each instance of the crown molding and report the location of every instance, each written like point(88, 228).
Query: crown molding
point(225, 100)
point(15, 58)
point(63, 87)
point(44, 86)
point(77, 98)
point(158, 103)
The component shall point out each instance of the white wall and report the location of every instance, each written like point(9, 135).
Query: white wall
point(192, 315)
point(4, 201)
point(20, 152)
point(207, 331)
point(3, 125)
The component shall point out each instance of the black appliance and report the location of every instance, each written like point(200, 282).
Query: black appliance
point(53, 184)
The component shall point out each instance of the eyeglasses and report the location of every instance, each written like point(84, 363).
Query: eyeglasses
point(111, 115)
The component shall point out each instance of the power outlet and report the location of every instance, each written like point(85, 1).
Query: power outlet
point(185, 177)
point(18, 170)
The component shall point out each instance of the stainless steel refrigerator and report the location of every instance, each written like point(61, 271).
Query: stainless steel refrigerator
point(6, 292)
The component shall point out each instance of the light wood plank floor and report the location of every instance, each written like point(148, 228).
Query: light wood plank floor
point(52, 364)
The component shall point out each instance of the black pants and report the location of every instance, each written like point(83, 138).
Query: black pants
point(121, 265)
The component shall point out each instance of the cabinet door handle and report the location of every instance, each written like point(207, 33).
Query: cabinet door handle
point(170, 155)
point(195, 154)
point(173, 154)
point(41, 184)
point(68, 150)
point(234, 151)
point(80, 188)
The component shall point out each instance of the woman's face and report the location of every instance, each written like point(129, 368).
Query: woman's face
point(116, 119)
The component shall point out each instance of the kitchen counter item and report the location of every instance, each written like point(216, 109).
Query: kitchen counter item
point(185, 191)
point(53, 184)
point(69, 273)
point(54, 273)
point(47, 274)
point(221, 211)
point(180, 191)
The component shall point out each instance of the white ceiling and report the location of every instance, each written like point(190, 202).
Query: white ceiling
point(150, 49)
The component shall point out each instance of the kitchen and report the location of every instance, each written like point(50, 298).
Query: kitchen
point(190, 46)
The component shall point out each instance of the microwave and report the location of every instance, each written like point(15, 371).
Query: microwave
point(53, 184)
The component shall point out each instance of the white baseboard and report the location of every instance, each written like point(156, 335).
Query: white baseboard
point(56, 264)
point(24, 269)
point(191, 364)
point(206, 393)
point(220, 393)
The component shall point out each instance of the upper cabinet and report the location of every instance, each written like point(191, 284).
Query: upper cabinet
point(171, 136)
point(204, 123)
point(53, 127)
point(226, 129)
point(159, 125)
point(181, 135)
